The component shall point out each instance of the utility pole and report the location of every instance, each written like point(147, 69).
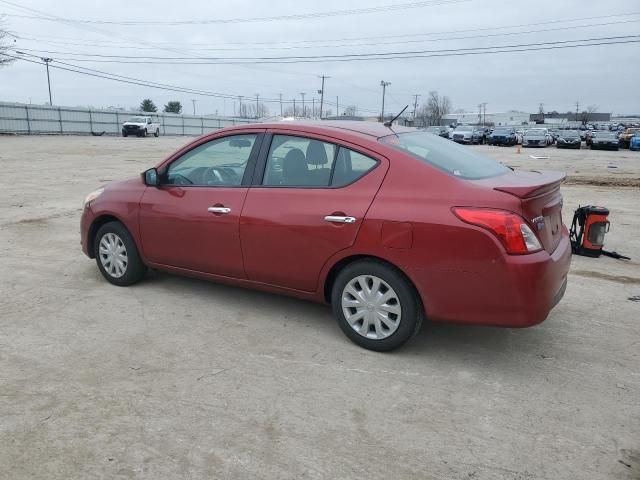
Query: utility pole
point(479, 113)
point(337, 107)
point(313, 108)
point(257, 105)
point(294, 108)
point(240, 106)
point(541, 111)
point(415, 106)
point(46, 60)
point(193, 100)
point(577, 108)
point(384, 86)
point(303, 94)
point(321, 92)
point(484, 113)
point(280, 95)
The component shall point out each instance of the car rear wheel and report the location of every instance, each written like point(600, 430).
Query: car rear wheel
point(375, 305)
point(117, 255)
point(156, 133)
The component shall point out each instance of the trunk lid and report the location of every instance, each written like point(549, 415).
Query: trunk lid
point(540, 199)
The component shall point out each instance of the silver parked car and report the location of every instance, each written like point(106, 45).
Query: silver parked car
point(536, 137)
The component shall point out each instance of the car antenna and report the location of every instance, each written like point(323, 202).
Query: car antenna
point(390, 122)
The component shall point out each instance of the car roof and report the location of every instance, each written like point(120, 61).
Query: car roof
point(371, 130)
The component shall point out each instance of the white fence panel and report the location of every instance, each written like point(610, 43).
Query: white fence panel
point(44, 119)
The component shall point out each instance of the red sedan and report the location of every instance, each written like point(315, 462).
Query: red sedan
point(389, 226)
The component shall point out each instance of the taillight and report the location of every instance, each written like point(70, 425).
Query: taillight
point(510, 228)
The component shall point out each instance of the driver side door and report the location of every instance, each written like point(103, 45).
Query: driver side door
point(191, 220)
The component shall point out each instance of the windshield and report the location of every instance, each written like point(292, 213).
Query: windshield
point(535, 131)
point(502, 131)
point(137, 120)
point(445, 155)
point(605, 135)
point(570, 133)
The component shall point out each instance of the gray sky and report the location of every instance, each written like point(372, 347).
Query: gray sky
point(606, 76)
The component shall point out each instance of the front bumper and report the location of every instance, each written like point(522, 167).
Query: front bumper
point(85, 225)
point(604, 146)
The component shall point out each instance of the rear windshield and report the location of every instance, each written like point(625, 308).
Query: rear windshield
point(446, 155)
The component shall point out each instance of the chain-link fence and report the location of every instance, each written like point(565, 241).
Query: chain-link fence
point(44, 119)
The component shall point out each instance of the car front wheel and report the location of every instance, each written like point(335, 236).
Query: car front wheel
point(156, 133)
point(375, 305)
point(117, 255)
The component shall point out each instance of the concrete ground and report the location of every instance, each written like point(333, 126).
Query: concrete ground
point(177, 378)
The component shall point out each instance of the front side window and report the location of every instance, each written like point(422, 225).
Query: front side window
point(220, 162)
point(445, 155)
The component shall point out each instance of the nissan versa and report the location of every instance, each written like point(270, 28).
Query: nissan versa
point(389, 226)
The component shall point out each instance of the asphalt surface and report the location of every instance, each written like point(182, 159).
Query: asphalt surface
point(182, 379)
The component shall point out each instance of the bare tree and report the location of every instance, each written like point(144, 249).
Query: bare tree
point(436, 107)
point(4, 45)
point(248, 110)
point(587, 114)
point(350, 111)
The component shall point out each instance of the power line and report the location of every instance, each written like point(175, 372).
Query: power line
point(278, 18)
point(145, 83)
point(363, 56)
point(252, 46)
point(377, 44)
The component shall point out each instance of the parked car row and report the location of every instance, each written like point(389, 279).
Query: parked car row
point(540, 137)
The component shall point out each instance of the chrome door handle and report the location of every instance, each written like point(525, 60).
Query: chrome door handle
point(339, 219)
point(218, 210)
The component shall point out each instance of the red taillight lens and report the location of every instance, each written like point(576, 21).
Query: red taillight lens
point(510, 228)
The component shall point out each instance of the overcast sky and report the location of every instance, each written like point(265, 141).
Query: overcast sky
point(607, 76)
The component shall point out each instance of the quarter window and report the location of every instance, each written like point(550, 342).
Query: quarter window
point(350, 166)
point(220, 162)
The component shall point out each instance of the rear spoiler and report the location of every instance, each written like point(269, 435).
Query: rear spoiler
point(527, 184)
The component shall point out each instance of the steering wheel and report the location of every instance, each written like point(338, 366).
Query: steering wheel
point(219, 176)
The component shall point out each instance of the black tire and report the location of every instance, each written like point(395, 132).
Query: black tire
point(135, 270)
point(156, 133)
point(412, 312)
point(124, 134)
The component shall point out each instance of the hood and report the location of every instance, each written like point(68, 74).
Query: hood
point(534, 135)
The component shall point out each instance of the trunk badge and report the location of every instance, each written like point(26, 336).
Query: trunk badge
point(538, 222)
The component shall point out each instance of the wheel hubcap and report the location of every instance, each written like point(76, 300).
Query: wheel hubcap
point(113, 255)
point(371, 307)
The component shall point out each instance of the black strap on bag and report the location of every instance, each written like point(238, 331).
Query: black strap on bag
point(577, 229)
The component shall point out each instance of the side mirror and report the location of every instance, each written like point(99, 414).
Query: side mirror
point(150, 177)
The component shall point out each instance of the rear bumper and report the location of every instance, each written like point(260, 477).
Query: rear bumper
point(518, 292)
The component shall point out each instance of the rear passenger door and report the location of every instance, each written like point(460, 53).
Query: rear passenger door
point(307, 203)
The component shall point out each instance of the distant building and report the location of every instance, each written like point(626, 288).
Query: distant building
point(555, 117)
point(490, 118)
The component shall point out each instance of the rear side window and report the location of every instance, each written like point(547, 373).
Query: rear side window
point(305, 162)
point(448, 156)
